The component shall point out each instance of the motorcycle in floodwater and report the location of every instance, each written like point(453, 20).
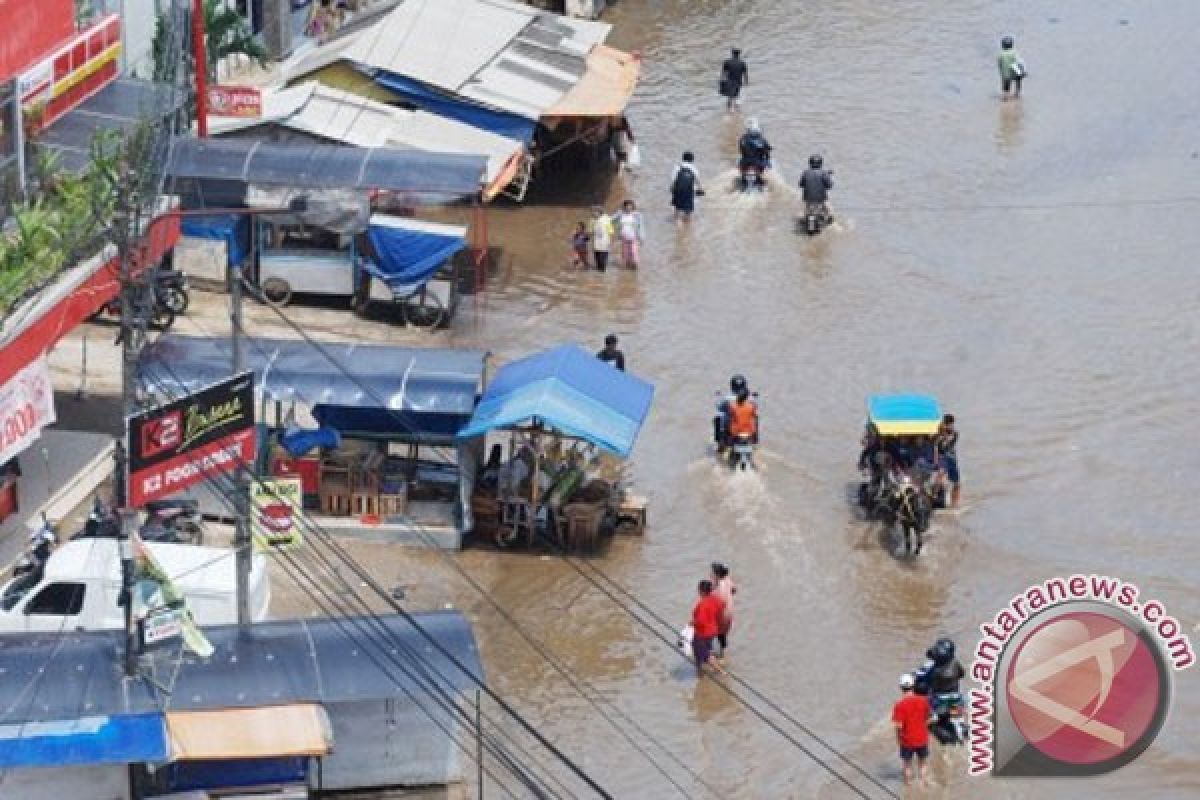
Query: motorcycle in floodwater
point(751, 175)
point(948, 719)
point(816, 218)
point(737, 450)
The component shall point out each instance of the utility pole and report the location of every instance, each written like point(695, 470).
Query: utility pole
point(242, 544)
point(199, 54)
point(132, 333)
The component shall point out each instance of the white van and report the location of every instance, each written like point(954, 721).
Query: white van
point(82, 581)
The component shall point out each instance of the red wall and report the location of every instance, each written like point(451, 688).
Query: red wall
point(30, 29)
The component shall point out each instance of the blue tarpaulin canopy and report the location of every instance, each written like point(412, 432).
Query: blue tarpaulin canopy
point(570, 390)
point(504, 123)
point(233, 229)
point(409, 251)
point(118, 739)
point(904, 414)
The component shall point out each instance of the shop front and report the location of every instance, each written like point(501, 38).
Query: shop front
point(369, 431)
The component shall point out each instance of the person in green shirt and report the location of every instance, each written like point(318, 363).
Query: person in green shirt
point(1012, 68)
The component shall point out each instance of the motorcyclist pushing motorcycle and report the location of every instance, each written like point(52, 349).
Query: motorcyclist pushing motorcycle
point(815, 184)
point(754, 147)
point(738, 414)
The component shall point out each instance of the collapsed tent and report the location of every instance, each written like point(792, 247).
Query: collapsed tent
point(569, 390)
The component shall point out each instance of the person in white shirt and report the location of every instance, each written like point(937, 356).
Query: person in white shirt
point(602, 233)
point(629, 228)
point(724, 588)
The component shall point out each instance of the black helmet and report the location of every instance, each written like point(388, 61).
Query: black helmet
point(610, 340)
point(1006, 42)
point(815, 161)
point(942, 651)
point(737, 384)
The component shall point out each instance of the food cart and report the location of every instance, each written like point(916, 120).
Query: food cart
point(566, 420)
point(400, 260)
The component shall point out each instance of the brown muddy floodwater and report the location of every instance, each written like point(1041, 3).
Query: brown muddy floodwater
point(1032, 264)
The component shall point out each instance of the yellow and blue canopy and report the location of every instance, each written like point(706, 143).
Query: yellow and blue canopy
point(904, 414)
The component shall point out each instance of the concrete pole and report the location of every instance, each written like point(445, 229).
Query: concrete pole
point(241, 540)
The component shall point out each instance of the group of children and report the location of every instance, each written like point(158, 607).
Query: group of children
point(596, 238)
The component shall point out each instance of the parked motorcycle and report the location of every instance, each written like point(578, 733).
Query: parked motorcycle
point(171, 290)
point(157, 316)
point(171, 521)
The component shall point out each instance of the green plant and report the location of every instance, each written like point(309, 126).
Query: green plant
point(227, 34)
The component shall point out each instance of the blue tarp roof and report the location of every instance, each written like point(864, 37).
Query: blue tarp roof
point(396, 390)
point(90, 740)
point(71, 675)
point(507, 124)
point(409, 251)
point(904, 408)
point(422, 177)
point(570, 390)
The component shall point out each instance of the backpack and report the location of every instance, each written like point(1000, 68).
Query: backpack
point(684, 183)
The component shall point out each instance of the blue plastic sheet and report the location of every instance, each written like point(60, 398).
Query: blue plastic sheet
point(409, 252)
point(232, 229)
point(299, 441)
point(570, 390)
point(118, 739)
point(512, 126)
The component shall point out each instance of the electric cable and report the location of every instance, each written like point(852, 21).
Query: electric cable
point(771, 723)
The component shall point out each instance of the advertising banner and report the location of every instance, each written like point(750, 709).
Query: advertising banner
point(276, 506)
point(177, 445)
point(26, 406)
point(234, 101)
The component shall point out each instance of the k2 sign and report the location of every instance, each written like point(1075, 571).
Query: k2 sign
point(26, 406)
point(201, 436)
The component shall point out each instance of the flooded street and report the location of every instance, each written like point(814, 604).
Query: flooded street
point(1029, 263)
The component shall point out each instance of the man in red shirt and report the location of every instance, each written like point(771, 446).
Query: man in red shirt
point(706, 623)
point(910, 715)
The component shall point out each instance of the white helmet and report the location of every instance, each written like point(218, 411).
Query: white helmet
point(752, 125)
point(907, 681)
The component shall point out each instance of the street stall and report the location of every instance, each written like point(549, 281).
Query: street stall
point(368, 430)
point(566, 420)
point(404, 261)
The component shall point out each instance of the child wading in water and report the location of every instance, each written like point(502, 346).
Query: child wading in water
point(579, 246)
point(629, 226)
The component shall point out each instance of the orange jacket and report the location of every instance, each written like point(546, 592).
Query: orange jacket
point(743, 418)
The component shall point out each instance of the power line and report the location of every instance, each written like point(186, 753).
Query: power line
point(771, 723)
point(324, 536)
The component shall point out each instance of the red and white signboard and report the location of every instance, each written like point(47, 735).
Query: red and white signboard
point(234, 101)
point(26, 406)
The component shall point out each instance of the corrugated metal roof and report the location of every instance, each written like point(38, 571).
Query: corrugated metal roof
point(349, 118)
point(509, 56)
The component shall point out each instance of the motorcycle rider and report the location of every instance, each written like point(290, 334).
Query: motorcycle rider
point(815, 184)
point(942, 672)
point(738, 414)
point(755, 149)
